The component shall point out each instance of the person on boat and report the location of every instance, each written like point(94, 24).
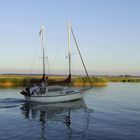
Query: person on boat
point(34, 90)
point(43, 88)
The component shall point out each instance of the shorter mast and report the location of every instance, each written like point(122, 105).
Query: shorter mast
point(43, 51)
point(69, 54)
point(80, 55)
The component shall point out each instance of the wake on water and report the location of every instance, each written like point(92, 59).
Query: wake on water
point(10, 102)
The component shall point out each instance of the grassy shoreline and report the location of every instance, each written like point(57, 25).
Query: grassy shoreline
point(24, 80)
point(122, 78)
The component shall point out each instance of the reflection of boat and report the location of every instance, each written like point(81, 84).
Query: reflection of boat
point(59, 115)
point(48, 94)
point(51, 109)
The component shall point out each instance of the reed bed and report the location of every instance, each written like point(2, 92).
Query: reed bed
point(22, 81)
point(132, 79)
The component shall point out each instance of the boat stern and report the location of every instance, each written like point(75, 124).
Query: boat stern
point(25, 92)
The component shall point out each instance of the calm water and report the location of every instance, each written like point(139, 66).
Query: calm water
point(108, 113)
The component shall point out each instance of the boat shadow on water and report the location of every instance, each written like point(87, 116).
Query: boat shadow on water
point(63, 114)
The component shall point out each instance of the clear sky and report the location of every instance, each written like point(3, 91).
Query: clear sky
point(107, 31)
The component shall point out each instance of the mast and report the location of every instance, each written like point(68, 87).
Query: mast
point(80, 55)
point(69, 54)
point(68, 80)
point(43, 50)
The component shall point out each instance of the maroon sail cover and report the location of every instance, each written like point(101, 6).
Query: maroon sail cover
point(66, 81)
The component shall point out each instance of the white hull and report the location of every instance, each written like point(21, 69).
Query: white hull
point(53, 99)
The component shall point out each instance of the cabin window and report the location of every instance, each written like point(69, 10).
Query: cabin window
point(55, 89)
point(69, 91)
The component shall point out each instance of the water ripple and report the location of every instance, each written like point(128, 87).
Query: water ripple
point(10, 102)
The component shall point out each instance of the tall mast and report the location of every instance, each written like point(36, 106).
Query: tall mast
point(69, 54)
point(80, 55)
point(43, 49)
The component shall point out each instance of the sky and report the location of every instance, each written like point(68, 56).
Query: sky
point(107, 32)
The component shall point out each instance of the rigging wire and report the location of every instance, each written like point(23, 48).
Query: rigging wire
point(33, 61)
point(54, 59)
point(80, 55)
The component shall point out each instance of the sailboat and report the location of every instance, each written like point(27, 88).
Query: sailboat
point(44, 93)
